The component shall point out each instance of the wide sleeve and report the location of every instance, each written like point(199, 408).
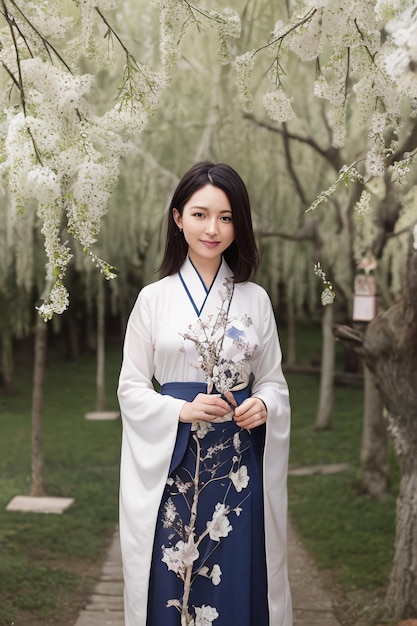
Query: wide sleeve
point(150, 420)
point(270, 385)
point(150, 424)
point(269, 382)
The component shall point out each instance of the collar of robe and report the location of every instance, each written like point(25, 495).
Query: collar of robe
point(195, 288)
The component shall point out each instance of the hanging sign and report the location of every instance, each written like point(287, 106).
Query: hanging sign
point(364, 299)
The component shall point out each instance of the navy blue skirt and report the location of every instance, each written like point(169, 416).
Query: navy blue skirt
point(208, 562)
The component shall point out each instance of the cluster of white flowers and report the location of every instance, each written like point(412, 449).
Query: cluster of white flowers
point(59, 150)
point(401, 61)
point(177, 15)
point(61, 157)
point(357, 67)
point(328, 294)
point(229, 27)
point(402, 168)
point(364, 227)
point(278, 105)
point(362, 207)
point(57, 301)
point(244, 65)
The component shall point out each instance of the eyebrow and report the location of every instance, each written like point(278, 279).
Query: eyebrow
point(204, 208)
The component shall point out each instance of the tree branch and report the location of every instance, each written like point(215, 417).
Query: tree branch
point(290, 165)
point(330, 154)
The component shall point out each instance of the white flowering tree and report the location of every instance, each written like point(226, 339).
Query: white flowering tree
point(61, 146)
point(365, 55)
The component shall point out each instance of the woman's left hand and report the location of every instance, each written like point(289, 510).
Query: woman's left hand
point(251, 413)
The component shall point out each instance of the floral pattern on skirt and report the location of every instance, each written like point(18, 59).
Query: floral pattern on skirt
point(208, 561)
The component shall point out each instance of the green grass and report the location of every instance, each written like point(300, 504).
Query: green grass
point(46, 560)
point(345, 530)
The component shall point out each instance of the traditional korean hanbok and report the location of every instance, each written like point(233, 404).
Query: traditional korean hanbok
point(203, 507)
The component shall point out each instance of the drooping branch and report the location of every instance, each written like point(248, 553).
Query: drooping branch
point(49, 47)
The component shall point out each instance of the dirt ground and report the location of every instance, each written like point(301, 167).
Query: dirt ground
point(358, 607)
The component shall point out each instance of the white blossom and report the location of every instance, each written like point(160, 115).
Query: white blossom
point(363, 205)
point(240, 479)
point(180, 556)
point(278, 105)
point(244, 65)
point(205, 615)
point(219, 525)
point(375, 163)
point(44, 184)
point(216, 574)
point(57, 302)
point(401, 62)
point(327, 295)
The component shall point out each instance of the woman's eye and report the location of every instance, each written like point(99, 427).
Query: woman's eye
point(226, 218)
point(196, 214)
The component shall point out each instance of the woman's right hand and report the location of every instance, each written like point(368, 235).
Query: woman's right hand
point(205, 407)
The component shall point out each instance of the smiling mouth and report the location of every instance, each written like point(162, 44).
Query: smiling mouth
point(210, 244)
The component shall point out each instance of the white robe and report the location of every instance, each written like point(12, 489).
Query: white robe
point(154, 347)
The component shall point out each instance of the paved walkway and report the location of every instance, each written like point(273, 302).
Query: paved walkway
point(312, 604)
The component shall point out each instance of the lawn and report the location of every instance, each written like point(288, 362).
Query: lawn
point(48, 562)
point(349, 535)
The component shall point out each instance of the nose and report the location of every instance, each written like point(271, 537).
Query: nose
point(211, 227)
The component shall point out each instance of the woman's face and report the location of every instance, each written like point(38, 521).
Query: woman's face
point(207, 224)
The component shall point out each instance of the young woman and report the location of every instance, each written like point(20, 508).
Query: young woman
point(203, 506)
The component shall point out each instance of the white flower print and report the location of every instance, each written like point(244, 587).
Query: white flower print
point(236, 442)
point(219, 525)
point(170, 513)
point(180, 556)
point(172, 558)
point(224, 351)
point(205, 615)
point(181, 486)
point(240, 479)
point(201, 428)
point(216, 574)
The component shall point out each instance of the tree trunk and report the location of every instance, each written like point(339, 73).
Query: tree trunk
point(401, 597)
point(101, 349)
point(325, 407)
point(7, 362)
point(374, 452)
point(41, 340)
point(390, 351)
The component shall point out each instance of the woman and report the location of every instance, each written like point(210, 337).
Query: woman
point(203, 503)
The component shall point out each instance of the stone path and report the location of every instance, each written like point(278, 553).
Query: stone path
point(312, 604)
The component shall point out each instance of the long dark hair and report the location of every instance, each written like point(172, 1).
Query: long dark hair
point(242, 254)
